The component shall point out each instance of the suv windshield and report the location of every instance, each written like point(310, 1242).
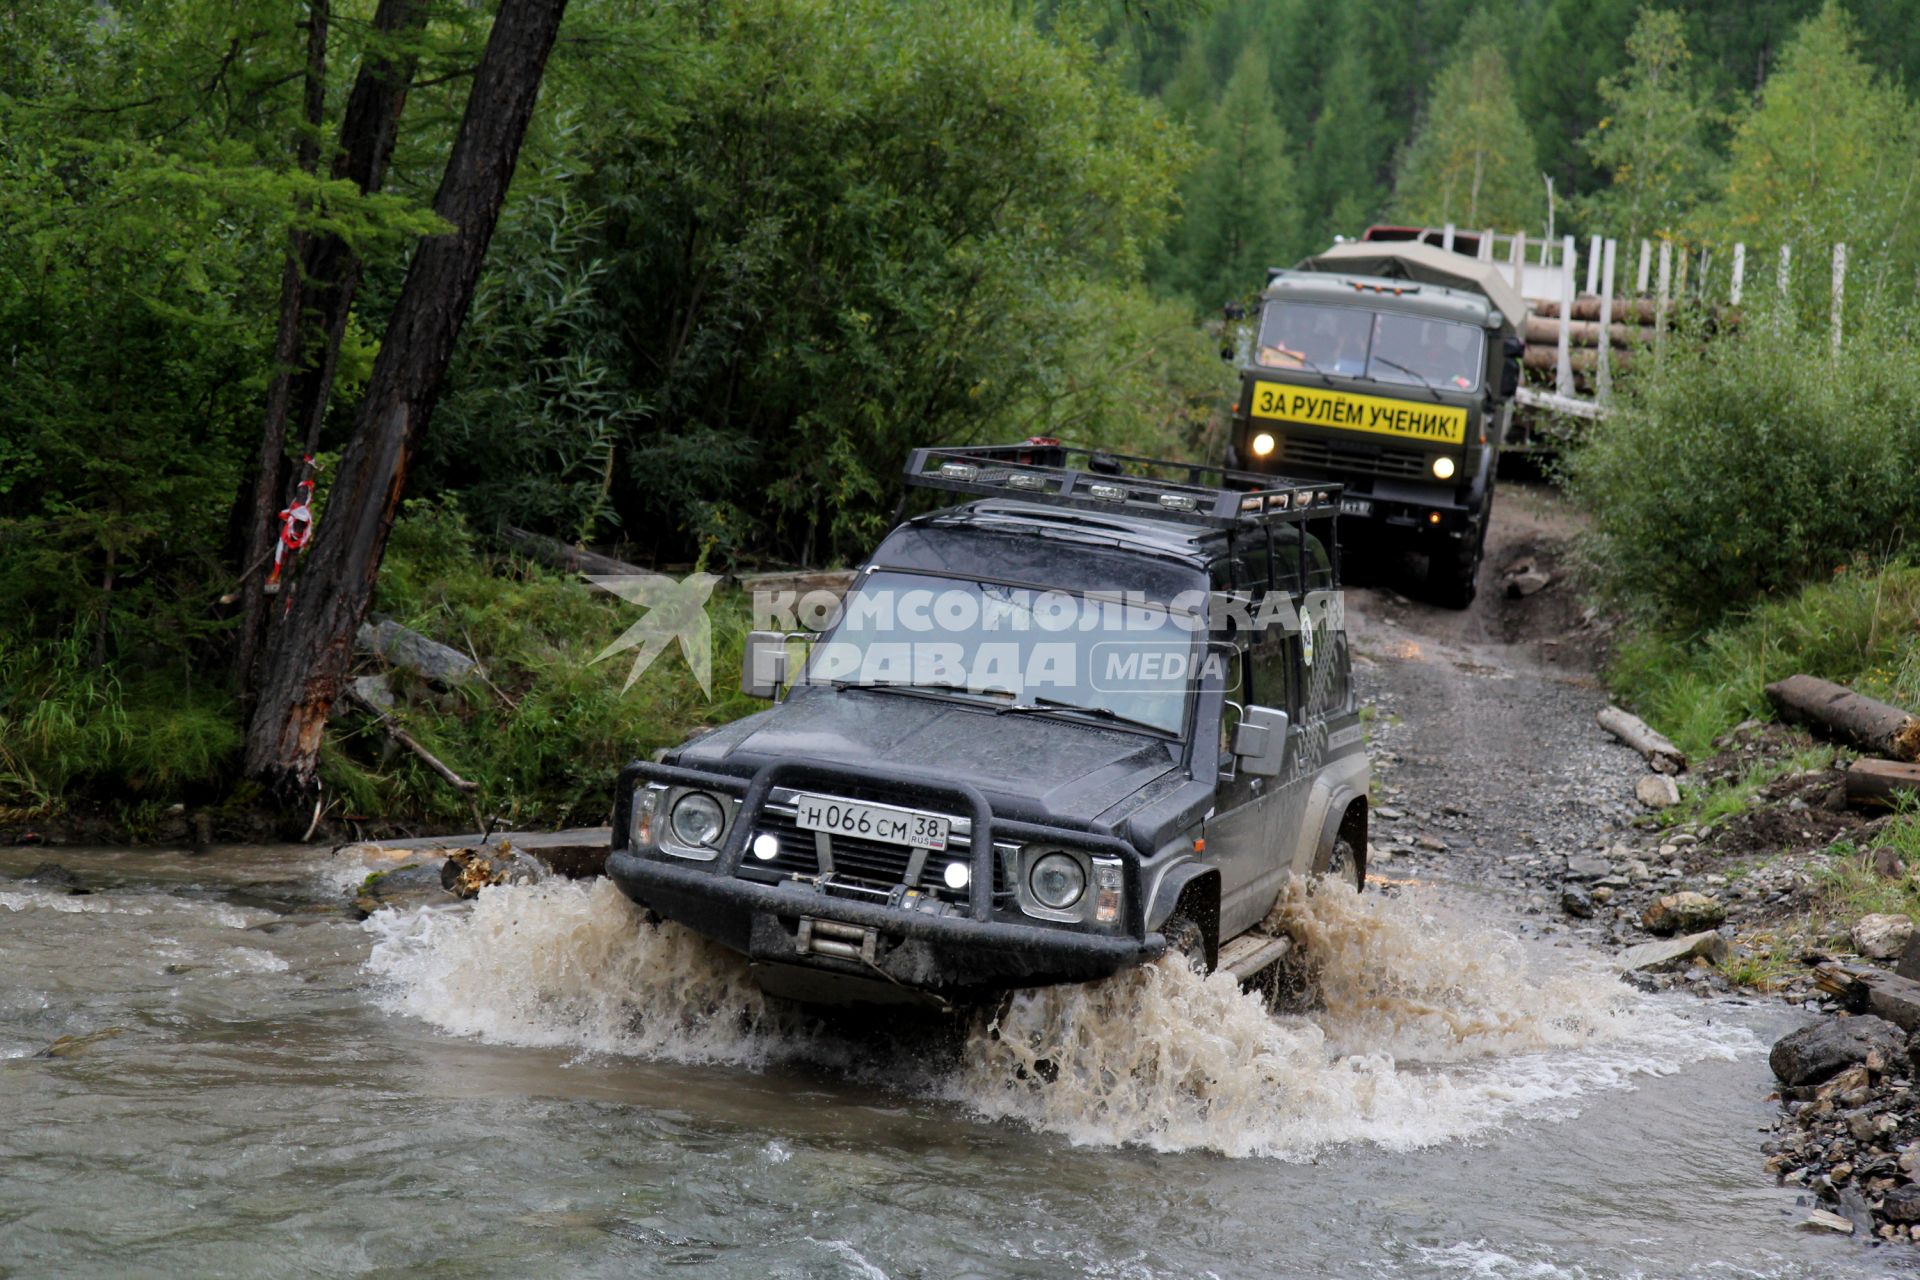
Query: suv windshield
point(1057, 651)
point(1383, 346)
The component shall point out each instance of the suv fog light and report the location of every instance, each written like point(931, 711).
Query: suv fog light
point(766, 846)
point(1056, 880)
point(1443, 468)
point(697, 820)
point(1262, 445)
point(957, 875)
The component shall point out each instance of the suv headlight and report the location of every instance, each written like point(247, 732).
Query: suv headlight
point(697, 820)
point(1056, 880)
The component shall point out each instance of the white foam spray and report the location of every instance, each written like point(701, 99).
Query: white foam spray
point(1434, 1029)
point(574, 963)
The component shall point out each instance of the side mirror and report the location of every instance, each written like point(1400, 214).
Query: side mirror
point(1509, 377)
point(763, 665)
point(1260, 741)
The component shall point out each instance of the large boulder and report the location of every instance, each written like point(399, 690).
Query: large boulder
point(1882, 937)
point(1685, 912)
point(1826, 1048)
point(1656, 957)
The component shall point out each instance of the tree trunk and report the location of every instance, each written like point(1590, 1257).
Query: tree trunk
point(1836, 711)
point(323, 281)
point(307, 657)
point(269, 465)
point(367, 134)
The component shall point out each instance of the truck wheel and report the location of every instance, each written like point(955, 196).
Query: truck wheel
point(1453, 580)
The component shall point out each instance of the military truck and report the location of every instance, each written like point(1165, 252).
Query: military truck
point(1100, 712)
point(1390, 369)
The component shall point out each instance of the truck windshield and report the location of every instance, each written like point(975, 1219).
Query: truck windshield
point(1125, 661)
point(1384, 346)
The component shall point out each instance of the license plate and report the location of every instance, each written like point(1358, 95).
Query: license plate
point(871, 822)
point(1356, 507)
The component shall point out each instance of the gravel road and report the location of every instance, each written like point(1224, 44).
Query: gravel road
point(1490, 769)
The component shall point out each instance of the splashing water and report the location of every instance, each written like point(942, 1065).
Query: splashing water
point(1159, 1056)
point(575, 964)
point(1167, 1058)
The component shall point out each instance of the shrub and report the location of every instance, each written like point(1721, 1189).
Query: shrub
point(1752, 463)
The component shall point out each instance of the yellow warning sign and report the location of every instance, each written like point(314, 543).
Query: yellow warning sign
point(1427, 423)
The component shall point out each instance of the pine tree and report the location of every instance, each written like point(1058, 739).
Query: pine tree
point(1470, 161)
point(1827, 154)
point(1351, 143)
point(1653, 139)
point(1241, 199)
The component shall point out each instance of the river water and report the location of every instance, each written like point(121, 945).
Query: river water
point(540, 1083)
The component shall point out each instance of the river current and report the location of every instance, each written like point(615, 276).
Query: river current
point(254, 1083)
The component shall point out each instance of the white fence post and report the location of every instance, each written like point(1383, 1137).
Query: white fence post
point(1660, 303)
point(1786, 268)
point(1446, 237)
point(1518, 260)
point(1486, 245)
point(1563, 366)
point(1839, 292)
point(1603, 384)
point(1640, 281)
point(1739, 273)
point(1593, 265)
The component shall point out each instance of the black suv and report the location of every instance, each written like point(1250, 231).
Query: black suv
point(1103, 712)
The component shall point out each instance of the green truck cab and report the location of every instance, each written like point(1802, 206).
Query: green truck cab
point(1391, 370)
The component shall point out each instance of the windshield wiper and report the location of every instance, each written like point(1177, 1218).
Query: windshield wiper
point(921, 687)
point(1054, 706)
point(1433, 390)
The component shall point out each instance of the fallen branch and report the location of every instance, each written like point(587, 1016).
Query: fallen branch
point(1632, 730)
point(408, 741)
point(1838, 712)
point(558, 555)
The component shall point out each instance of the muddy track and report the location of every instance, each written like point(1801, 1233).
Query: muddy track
point(1489, 768)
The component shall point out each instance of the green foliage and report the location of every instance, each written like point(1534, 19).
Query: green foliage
point(545, 746)
point(1653, 140)
point(860, 227)
point(1470, 160)
point(1830, 152)
point(1752, 463)
point(1242, 201)
point(1856, 627)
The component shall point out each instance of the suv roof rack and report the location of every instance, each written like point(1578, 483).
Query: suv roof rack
point(1045, 471)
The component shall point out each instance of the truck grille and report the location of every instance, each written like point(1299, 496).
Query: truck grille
point(1330, 456)
point(873, 863)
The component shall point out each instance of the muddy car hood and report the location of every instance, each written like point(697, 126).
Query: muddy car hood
point(1039, 768)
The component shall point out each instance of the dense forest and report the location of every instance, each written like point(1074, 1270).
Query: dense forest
point(752, 251)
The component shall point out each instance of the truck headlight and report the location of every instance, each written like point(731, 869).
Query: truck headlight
point(1056, 880)
point(1443, 467)
point(1263, 444)
point(697, 820)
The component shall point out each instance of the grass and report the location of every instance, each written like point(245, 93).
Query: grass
point(1705, 805)
point(1857, 627)
point(1851, 887)
point(542, 742)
